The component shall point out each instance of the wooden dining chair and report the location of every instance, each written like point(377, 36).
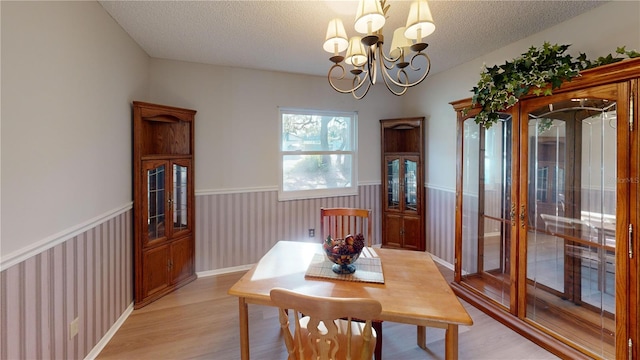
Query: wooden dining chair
point(323, 326)
point(340, 222)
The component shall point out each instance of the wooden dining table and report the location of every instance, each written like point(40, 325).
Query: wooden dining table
point(414, 291)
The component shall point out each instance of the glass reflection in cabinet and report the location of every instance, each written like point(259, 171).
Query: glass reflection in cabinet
point(156, 201)
point(486, 208)
point(179, 197)
point(393, 183)
point(571, 239)
point(410, 185)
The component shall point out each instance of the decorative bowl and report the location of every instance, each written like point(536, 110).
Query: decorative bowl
point(344, 252)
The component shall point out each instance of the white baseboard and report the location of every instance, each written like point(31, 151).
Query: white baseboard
point(224, 270)
point(442, 262)
point(107, 337)
point(93, 354)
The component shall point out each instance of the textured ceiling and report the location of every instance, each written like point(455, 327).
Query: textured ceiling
point(288, 35)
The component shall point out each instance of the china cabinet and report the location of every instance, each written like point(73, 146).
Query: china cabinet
point(402, 183)
point(547, 214)
point(163, 194)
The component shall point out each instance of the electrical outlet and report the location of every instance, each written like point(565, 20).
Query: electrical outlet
point(73, 328)
point(312, 232)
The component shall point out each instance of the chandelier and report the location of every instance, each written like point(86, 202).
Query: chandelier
point(365, 55)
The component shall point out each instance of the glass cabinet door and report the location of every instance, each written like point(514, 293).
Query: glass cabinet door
point(570, 227)
point(487, 208)
point(155, 179)
point(180, 196)
point(402, 188)
point(393, 183)
point(168, 194)
point(410, 187)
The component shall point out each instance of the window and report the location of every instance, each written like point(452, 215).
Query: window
point(317, 154)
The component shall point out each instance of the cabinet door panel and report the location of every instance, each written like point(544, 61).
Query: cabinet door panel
point(156, 275)
point(181, 259)
point(393, 230)
point(411, 232)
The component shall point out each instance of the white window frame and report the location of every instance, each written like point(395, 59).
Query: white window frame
point(318, 193)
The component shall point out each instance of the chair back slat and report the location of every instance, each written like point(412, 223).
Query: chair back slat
point(340, 222)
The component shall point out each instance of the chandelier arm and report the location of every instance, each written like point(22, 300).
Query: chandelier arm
point(372, 69)
point(355, 95)
point(342, 76)
point(388, 63)
point(388, 81)
point(390, 58)
point(414, 56)
point(422, 77)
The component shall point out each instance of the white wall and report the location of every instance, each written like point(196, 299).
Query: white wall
point(69, 73)
point(237, 120)
point(595, 33)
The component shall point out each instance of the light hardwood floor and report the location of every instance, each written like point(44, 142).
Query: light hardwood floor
point(200, 321)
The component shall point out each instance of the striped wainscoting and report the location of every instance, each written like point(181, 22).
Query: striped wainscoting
point(87, 276)
point(236, 229)
point(440, 223)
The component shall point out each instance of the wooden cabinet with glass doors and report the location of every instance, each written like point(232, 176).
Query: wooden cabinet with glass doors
point(547, 215)
point(163, 200)
point(402, 184)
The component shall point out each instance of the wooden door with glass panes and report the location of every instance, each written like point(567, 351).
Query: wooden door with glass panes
point(571, 197)
point(163, 200)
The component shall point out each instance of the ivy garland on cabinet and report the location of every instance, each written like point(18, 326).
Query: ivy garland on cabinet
point(538, 71)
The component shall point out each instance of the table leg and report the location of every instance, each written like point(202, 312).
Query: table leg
point(451, 342)
point(244, 329)
point(422, 337)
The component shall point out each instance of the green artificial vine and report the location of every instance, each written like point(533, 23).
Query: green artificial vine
point(539, 71)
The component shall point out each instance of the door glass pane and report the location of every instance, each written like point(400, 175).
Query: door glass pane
point(156, 200)
point(410, 185)
point(571, 214)
point(486, 224)
point(497, 205)
point(470, 207)
point(393, 184)
point(179, 197)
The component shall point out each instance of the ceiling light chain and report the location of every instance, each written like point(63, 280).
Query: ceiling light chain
point(367, 56)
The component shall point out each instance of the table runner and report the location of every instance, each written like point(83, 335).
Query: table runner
point(368, 269)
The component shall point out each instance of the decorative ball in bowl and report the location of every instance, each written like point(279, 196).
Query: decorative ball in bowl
point(344, 252)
